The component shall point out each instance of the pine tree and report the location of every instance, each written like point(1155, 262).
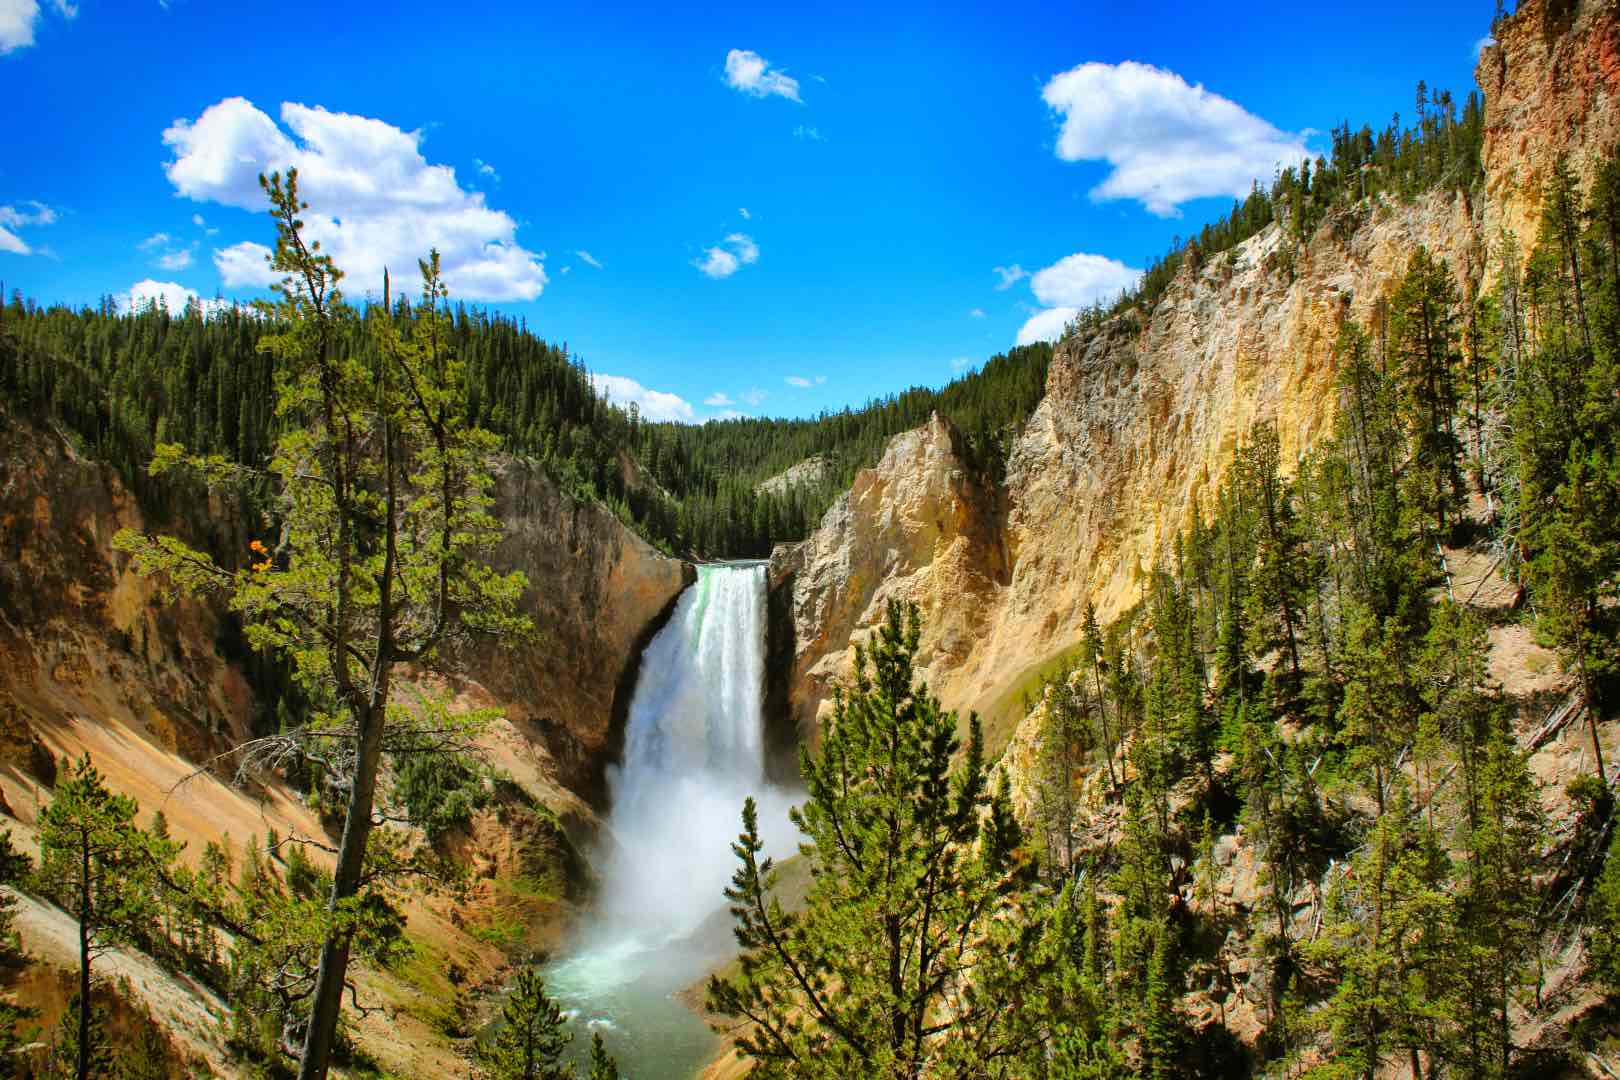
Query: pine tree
point(1066, 742)
point(532, 1036)
point(79, 1047)
point(910, 950)
point(603, 1067)
point(104, 871)
point(1603, 925)
point(1496, 901)
point(15, 868)
point(386, 530)
point(1281, 573)
point(1424, 344)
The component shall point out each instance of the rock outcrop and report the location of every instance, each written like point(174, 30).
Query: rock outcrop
point(808, 473)
point(1141, 417)
point(918, 526)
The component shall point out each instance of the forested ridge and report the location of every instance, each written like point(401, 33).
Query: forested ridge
point(125, 382)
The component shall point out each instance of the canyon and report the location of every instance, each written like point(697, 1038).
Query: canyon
point(1137, 429)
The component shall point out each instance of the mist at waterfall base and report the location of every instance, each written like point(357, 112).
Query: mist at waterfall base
point(694, 750)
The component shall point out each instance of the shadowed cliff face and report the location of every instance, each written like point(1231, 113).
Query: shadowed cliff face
point(597, 593)
point(84, 640)
point(1142, 416)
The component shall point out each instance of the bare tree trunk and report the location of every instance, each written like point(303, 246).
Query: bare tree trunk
point(84, 957)
point(328, 999)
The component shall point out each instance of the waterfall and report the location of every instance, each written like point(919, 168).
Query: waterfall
point(694, 749)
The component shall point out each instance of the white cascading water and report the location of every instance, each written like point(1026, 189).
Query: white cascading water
point(694, 749)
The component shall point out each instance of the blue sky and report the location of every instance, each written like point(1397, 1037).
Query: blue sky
point(784, 210)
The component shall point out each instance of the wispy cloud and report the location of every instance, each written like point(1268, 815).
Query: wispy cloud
point(746, 216)
point(588, 259)
point(27, 215)
point(976, 313)
point(486, 170)
point(176, 260)
point(808, 133)
point(167, 255)
point(1168, 142)
point(803, 383)
point(1009, 275)
point(719, 400)
point(960, 364)
point(752, 74)
point(753, 397)
point(729, 256)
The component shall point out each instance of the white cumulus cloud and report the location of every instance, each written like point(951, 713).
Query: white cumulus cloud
point(17, 18)
point(1081, 280)
point(1168, 142)
point(1069, 285)
point(655, 405)
point(752, 74)
point(245, 263)
point(168, 294)
point(375, 201)
point(729, 256)
point(1047, 325)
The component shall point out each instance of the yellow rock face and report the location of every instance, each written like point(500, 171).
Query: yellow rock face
point(1141, 417)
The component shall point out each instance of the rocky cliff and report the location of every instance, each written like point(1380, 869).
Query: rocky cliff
point(1141, 417)
point(597, 592)
point(1551, 79)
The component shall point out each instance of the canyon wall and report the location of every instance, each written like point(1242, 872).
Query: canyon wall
point(86, 641)
point(1141, 416)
